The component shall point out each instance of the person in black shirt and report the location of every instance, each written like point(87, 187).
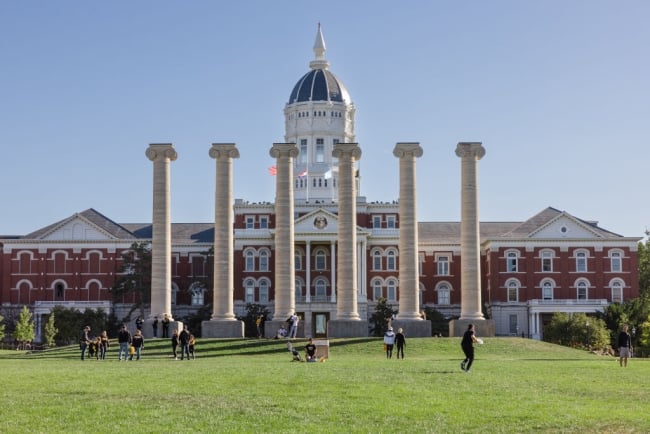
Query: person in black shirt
point(400, 341)
point(184, 341)
point(84, 341)
point(310, 351)
point(624, 346)
point(467, 344)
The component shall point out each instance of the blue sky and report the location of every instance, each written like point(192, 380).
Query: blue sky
point(557, 91)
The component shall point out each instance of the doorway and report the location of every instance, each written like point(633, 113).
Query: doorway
point(319, 321)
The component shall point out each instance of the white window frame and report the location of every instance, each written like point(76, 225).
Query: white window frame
point(249, 260)
point(320, 150)
point(617, 290)
point(250, 221)
point(391, 221)
point(444, 294)
point(376, 261)
point(616, 261)
point(548, 290)
point(376, 221)
point(376, 289)
point(442, 264)
point(391, 260)
point(513, 291)
point(581, 261)
point(198, 294)
point(547, 261)
point(264, 222)
point(391, 290)
point(264, 260)
point(264, 291)
point(582, 286)
point(512, 261)
point(249, 290)
point(320, 260)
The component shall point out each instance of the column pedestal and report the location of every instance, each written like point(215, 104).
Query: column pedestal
point(482, 327)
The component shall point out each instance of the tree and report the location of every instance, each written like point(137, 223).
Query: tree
point(70, 321)
point(381, 317)
point(577, 331)
point(253, 311)
point(439, 324)
point(644, 267)
point(136, 278)
point(2, 329)
point(24, 332)
point(50, 331)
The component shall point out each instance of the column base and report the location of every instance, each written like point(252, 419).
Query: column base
point(482, 327)
point(416, 328)
point(341, 328)
point(222, 329)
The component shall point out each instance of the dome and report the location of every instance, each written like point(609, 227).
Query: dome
point(319, 85)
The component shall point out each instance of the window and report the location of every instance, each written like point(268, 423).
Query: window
point(390, 261)
point(297, 261)
point(444, 294)
point(264, 222)
point(443, 265)
point(321, 260)
point(391, 287)
point(376, 260)
point(321, 289)
point(390, 221)
point(581, 262)
point(264, 291)
point(513, 292)
point(250, 291)
point(376, 222)
point(617, 292)
point(547, 261)
point(197, 292)
point(547, 290)
point(250, 261)
point(511, 262)
point(299, 295)
point(514, 327)
point(264, 260)
point(320, 150)
point(615, 259)
point(250, 222)
point(582, 290)
point(303, 151)
point(376, 289)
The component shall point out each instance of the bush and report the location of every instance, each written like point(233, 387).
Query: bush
point(577, 331)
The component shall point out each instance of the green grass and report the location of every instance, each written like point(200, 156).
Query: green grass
point(242, 386)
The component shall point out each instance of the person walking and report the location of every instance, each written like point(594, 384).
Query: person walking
point(84, 341)
point(293, 331)
point(174, 343)
point(624, 346)
point(389, 342)
point(400, 341)
point(103, 345)
point(165, 326)
point(124, 341)
point(138, 343)
point(467, 344)
point(138, 323)
point(191, 345)
point(184, 341)
point(154, 325)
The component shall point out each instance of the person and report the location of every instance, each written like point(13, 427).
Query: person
point(282, 333)
point(154, 325)
point(138, 323)
point(84, 341)
point(103, 345)
point(293, 331)
point(400, 341)
point(137, 342)
point(389, 341)
point(124, 341)
point(467, 344)
point(165, 326)
point(624, 346)
point(258, 324)
point(174, 342)
point(310, 351)
point(93, 348)
point(294, 353)
point(191, 345)
point(184, 341)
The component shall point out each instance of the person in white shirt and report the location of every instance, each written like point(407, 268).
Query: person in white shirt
point(389, 342)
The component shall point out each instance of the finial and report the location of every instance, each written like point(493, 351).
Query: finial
point(319, 52)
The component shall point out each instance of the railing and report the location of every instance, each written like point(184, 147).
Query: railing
point(599, 302)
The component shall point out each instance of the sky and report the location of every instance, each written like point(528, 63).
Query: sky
point(557, 91)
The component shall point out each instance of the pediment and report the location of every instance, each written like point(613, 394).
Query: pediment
point(565, 226)
point(319, 221)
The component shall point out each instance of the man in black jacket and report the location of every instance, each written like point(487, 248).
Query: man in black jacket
point(124, 339)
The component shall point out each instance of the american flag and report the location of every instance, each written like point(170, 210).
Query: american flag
point(302, 174)
point(273, 170)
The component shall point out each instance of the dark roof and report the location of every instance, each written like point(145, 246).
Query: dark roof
point(319, 85)
point(449, 232)
point(181, 232)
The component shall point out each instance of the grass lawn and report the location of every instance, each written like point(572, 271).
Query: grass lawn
point(242, 386)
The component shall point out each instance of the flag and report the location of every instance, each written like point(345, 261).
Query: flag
point(302, 174)
point(273, 170)
point(330, 172)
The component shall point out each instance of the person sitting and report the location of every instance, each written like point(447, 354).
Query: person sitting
point(310, 351)
point(282, 333)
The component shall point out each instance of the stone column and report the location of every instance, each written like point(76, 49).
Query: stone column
point(409, 316)
point(285, 284)
point(162, 154)
point(470, 306)
point(223, 323)
point(347, 322)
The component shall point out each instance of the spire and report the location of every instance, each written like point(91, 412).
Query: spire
point(319, 52)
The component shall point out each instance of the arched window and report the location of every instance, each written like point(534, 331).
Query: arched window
point(391, 289)
point(300, 296)
point(175, 291)
point(197, 291)
point(390, 260)
point(321, 289)
point(250, 261)
point(547, 290)
point(582, 290)
point(615, 261)
point(547, 261)
point(264, 291)
point(297, 260)
point(617, 291)
point(513, 291)
point(264, 260)
point(321, 259)
point(581, 261)
point(444, 294)
point(249, 289)
point(511, 261)
point(376, 289)
point(376, 260)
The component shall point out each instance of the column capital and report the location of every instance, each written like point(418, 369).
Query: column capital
point(161, 150)
point(352, 149)
point(470, 149)
point(405, 149)
point(284, 150)
point(224, 150)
